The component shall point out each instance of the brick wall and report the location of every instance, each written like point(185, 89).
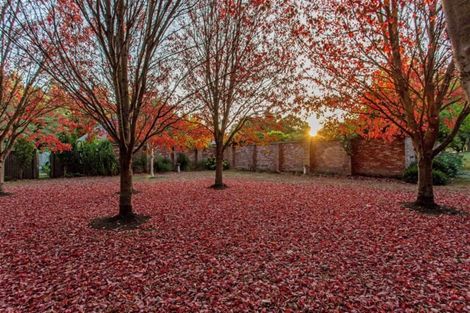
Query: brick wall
point(329, 157)
point(244, 158)
point(292, 157)
point(285, 157)
point(266, 158)
point(378, 158)
point(367, 157)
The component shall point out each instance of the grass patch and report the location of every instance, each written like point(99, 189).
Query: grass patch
point(466, 161)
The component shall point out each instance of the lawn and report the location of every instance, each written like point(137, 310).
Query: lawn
point(269, 242)
point(466, 161)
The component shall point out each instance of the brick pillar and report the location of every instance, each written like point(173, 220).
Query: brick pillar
point(255, 152)
point(234, 150)
point(281, 157)
point(275, 151)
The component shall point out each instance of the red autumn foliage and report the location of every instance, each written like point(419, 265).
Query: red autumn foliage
point(391, 61)
point(324, 245)
point(186, 133)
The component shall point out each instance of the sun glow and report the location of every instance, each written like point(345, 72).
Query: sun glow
point(313, 132)
point(315, 126)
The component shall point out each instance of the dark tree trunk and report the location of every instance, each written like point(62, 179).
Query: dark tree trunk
point(125, 194)
point(219, 167)
point(2, 175)
point(425, 197)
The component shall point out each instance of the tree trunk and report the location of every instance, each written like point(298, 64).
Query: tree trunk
point(125, 194)
point(219, 167)
point(2, 175)
point(425, 197)
point(458, 26)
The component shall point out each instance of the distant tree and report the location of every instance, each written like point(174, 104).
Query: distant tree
point(271, 128)
point(247, 64)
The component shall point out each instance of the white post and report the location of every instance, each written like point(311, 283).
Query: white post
point(152, 159)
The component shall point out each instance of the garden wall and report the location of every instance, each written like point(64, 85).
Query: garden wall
point(359, 157)
point(329, 157)
point(378, 158)
point(277, 157)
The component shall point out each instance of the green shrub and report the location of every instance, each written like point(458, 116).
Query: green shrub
point(445, 166)
point(163, 164)
point(46, 169)
point(70, 159)
point(139, 163)
point(97, 158)
point(183, 161)
point(24, 152)
point(210, 164)
point(411, 174)
point(449, 163)
point(438, 177)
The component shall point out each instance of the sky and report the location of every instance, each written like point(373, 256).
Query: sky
point(315, 124)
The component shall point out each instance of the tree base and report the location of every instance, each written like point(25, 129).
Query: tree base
point(119, 222)
point(432, 209)
point(134, 192)
point(5, 194)
point(219, 186)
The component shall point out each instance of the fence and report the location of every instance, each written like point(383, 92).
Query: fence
point(13, 171)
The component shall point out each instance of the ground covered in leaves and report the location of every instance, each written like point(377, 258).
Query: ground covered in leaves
point(264, 244)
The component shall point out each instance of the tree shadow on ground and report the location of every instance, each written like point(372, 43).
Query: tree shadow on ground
point(117, 223)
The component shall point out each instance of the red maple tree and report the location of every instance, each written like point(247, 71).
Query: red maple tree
point(111, 57)
point(26, 98)
point(244, 64)
point(391, 57)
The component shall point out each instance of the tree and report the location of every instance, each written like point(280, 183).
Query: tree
point(25, 97)
point(271, 128)
point(112, 59)
point(246, 57)
point(390, 60)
